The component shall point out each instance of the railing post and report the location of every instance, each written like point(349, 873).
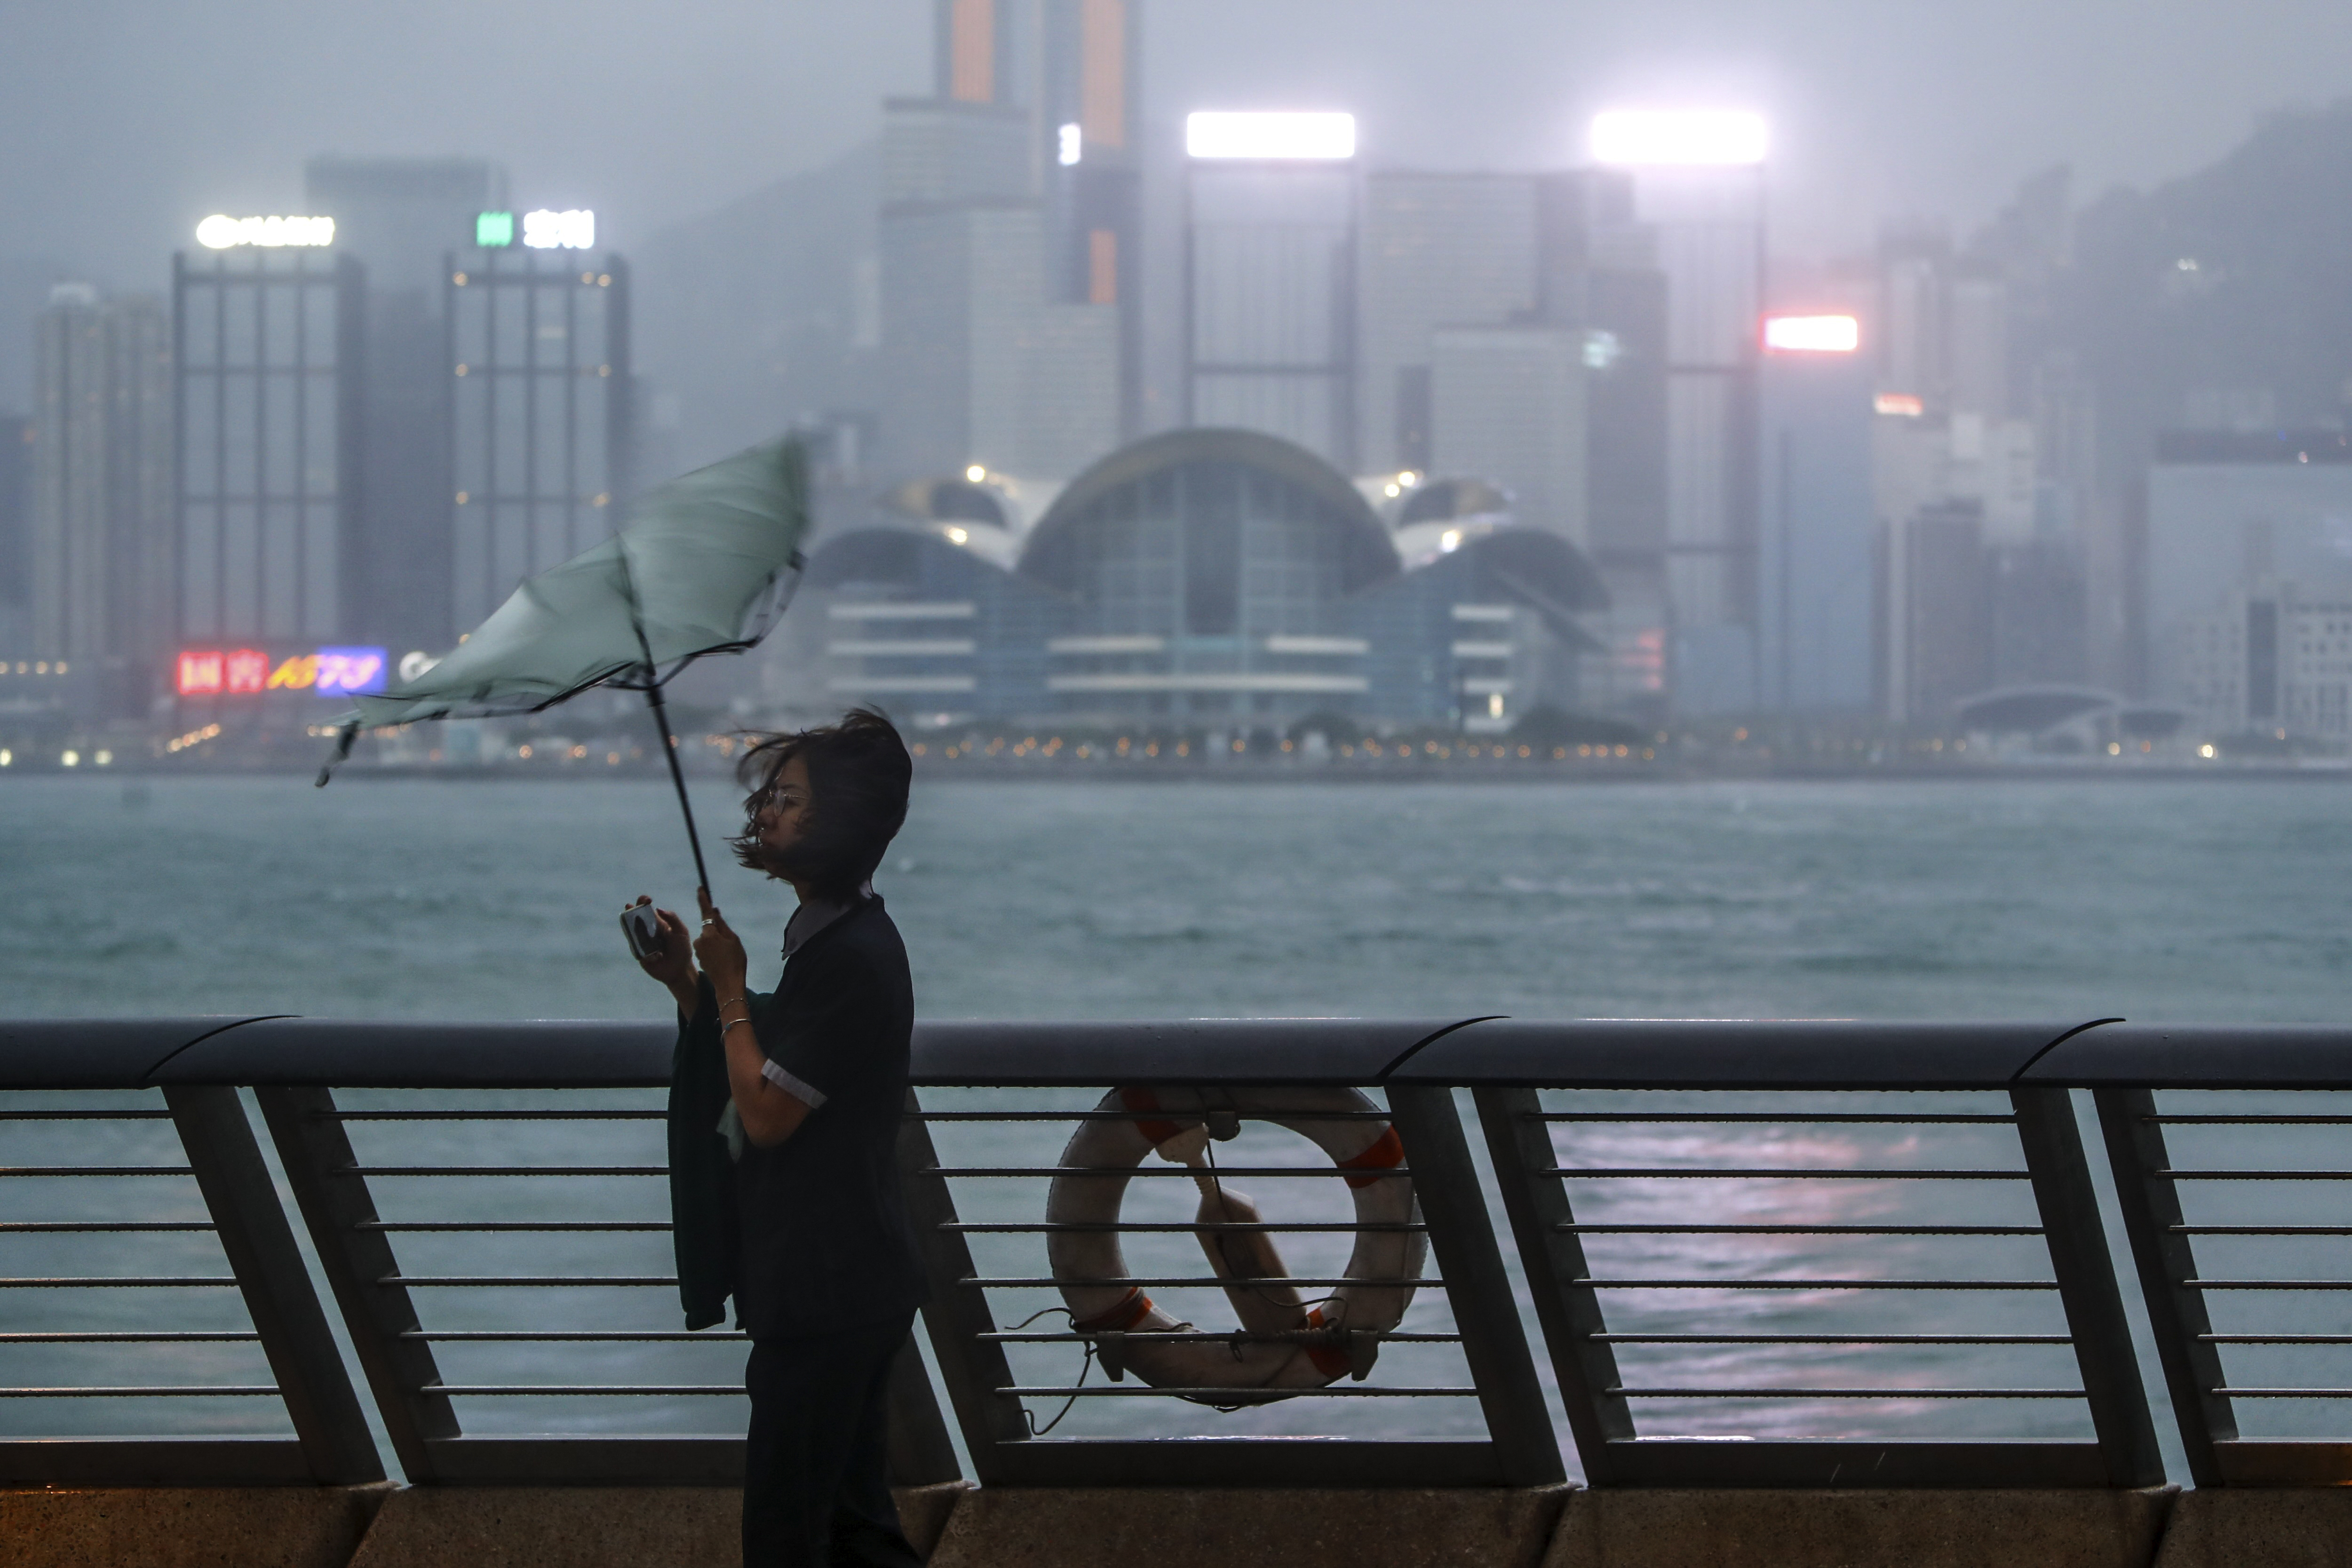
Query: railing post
point(957, 1315)
point(2150, 1203)
point(2093, 1303)
point(1519, 1143)
point(1445, 1184)
point(358, 1259)
point(270, 1274)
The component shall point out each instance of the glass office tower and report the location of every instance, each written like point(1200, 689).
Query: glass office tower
point(539, 359)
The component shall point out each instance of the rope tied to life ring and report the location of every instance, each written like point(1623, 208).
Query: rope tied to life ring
point(1286, 1343)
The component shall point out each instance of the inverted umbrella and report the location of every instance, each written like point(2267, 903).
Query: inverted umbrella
point(705, 565)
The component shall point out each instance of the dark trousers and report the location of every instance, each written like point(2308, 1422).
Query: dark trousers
point(817, 1473)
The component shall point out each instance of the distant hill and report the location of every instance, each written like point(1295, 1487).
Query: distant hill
point(749, 317)
point(2220, 298)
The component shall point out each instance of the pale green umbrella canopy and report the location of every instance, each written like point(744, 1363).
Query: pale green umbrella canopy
point(704, 565)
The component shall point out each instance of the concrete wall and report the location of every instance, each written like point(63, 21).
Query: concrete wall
point(696, 1526)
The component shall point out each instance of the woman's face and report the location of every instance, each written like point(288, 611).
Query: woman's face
point(782, 819)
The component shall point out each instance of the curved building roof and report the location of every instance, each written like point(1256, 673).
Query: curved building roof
point(1371, 554)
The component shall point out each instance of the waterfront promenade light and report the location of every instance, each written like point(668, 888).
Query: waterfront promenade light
point(1319, 137)
point(1813, 334)
point(1640, 138)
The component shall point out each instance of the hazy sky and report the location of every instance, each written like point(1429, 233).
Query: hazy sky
point(126, 121)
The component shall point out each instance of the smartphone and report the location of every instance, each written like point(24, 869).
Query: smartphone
point(642, 926)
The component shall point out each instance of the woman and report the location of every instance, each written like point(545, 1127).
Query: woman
point(784, 1107)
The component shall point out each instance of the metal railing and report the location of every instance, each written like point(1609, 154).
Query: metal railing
point(1752, 1254)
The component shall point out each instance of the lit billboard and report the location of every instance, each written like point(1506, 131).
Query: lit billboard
point(221, 232)
point(244, 672)
point(1813, 334)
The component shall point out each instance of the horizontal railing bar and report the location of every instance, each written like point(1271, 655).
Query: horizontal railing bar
point(586, 1390)
point(1001, 1227)
point(162, 1391)
point(1393, 1172)
point(1754, 1173)
point(2269, 1284)
point(127, 1336)
point(471, 1281)
point(2255, 1175)
point(125, 1115)
point(1820, 1284)
point(2260, 1229)
point(2249, 1120)
point(1777, 1119)
point(572, 1336)
point(2276, 1338)
point(2284, 1392)
point(504, 1171)
point(1296, 1336)
point(71, 1227)
point(1832, 1339)
point(1205, 1281)
point(81, 1283)
point(1848, 1392)
point(523, 1116)
point(513, 1225)
point(94, 1171)
point(1799, 1229)
point(1213, 1395)
point(1178, 1116)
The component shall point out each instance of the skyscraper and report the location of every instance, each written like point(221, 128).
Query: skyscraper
point(402, 217)
point(538, 359)
point(1086, 102)
point(1698, 179)
point(101, 510)
point(16, 435)
point(1270, 310)
point(268, 345)
point(992, 355)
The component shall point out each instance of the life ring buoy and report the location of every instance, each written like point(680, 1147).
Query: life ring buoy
point(1284, 1343)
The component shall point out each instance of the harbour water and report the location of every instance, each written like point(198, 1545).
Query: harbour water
point(426, 899)
point(423, 899)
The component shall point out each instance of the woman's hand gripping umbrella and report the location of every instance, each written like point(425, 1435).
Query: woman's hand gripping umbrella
point(705, 565)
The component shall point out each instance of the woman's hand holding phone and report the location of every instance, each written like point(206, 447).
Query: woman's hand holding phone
point(671, 960)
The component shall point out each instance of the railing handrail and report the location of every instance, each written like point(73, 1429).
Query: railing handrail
point(1471, 1052)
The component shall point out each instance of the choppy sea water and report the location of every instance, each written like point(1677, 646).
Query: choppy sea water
point(497, 900)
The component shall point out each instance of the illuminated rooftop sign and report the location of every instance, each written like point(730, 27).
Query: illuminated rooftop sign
point(221, 232)
point(1317, 137)
point(493, 231)
point(572, 230)
point(1637, 138)
point(1813, 334)
point(243, 672)
point(1070, 144)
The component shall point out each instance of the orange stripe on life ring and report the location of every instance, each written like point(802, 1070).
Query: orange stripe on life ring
point(1329, 1360)
point(1155, 1132)
point(1387, 1153)
point(1120, 1316)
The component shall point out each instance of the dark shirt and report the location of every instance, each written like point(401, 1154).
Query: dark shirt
point(820, 1241)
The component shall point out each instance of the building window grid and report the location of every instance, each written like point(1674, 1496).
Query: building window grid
point(519, 408)
point(246, 294)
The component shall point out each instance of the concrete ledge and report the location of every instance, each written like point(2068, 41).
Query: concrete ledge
point(1644, 1528)
point(184, 1527)
point(2233, 1527)
point(1173, 1527)
point(588, 1527)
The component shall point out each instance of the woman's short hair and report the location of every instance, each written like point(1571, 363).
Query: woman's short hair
point(860, 773)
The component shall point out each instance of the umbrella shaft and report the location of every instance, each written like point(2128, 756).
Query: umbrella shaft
point(677, 779)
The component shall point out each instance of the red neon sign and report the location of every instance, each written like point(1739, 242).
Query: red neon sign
point(200, 674)
point(210, 672)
